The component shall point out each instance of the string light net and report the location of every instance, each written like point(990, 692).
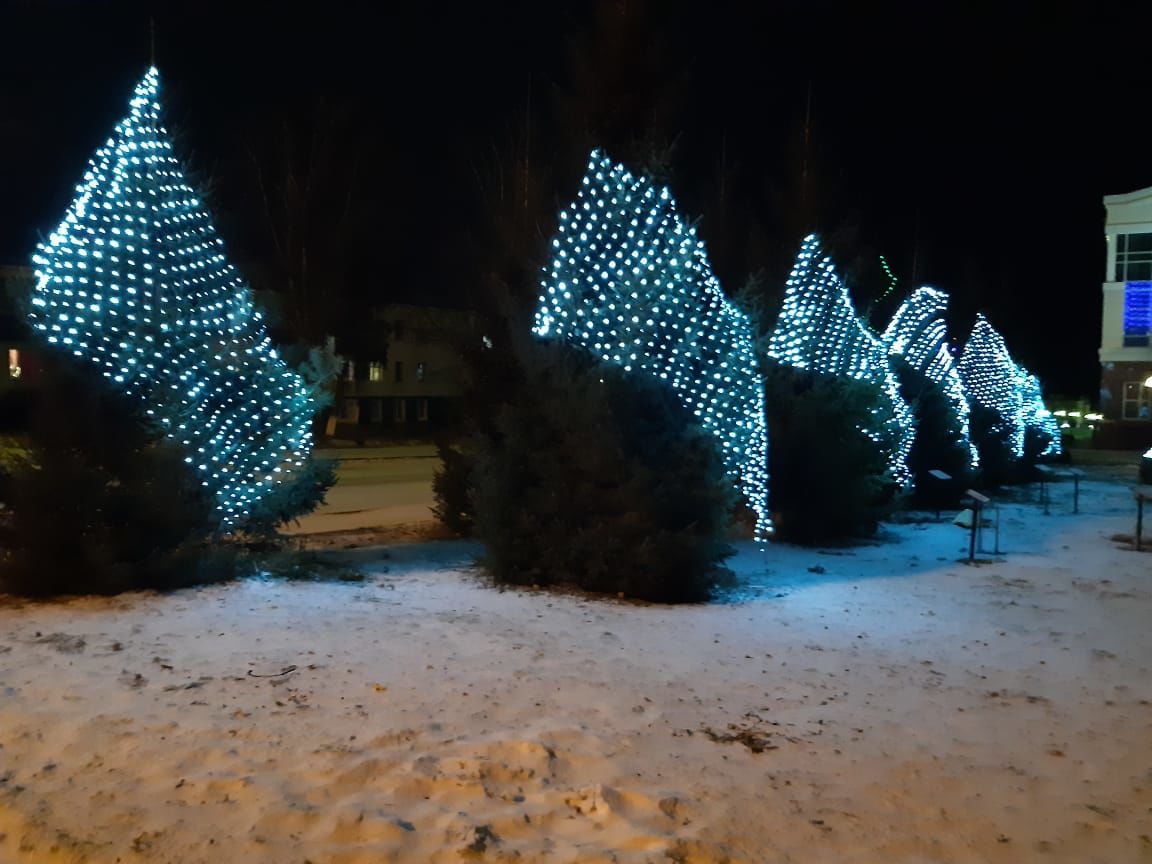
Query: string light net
point(630, 282)
point(818, 329)
point(1035, 413)
point(993, 380)
point(135, 281)
point(917, 333)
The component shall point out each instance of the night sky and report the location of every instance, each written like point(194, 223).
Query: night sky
point(971, 148)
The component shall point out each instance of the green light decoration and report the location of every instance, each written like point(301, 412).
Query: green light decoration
point(891, 279)
point(134, 281)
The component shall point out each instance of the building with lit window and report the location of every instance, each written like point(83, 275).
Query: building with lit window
point(413, 387)
point(19, 371)
point(1126, 331)
point(1126, 334)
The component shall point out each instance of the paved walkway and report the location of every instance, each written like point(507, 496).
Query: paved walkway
point(376, 487)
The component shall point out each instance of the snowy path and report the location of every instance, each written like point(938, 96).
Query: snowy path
point(907, 709)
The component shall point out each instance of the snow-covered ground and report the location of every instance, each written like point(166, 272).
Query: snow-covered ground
point(878, 704)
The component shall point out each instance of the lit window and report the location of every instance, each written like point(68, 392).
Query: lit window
point(350, 370)
point(419, 371)
point(399, 410)
point(1137, 312)
point(399, 371)
point(13, 362)
point(1133, 257)
point(375, 371)
point(1137, 401)
point(422, 410)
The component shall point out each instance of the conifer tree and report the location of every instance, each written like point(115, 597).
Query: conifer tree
point(990, 381)
point(818, 330)
point(917, 333)
point(1039, 422)
point(630, 282)
point(135, 281)
point(1008, 392)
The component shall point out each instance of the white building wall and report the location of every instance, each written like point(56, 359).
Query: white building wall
point(1130, 213)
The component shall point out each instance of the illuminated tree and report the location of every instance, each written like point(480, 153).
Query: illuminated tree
point(630, 282)
point(917, 333)
point(818, 329)
point(1035, 414)
point(994, 381)
point(134, 281)
point(990, 380)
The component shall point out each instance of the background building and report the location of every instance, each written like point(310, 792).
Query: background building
point(410, 388)
point(1126, 331)
point(19, 369)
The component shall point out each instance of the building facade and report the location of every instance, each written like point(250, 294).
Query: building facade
point(1126, 332)
point(411, 388)
point(20, 369)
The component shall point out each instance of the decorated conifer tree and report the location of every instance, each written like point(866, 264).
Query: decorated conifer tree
point(818, 330)
point(135, 282)
point(1010, 394)
point(1038, 420)
point(918, 334)
point(630, 282)
point(991, 382)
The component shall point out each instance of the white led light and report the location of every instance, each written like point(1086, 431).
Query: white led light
point(917, 333)
point(162, 340)
point(818, 329)
point(616, 218)
point(993, 380)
